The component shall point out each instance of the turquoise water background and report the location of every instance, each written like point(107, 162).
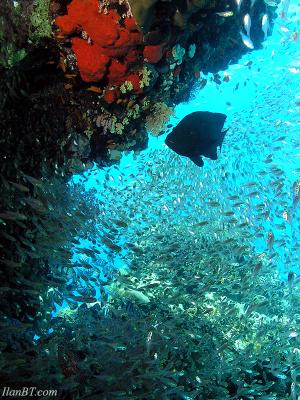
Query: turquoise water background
point(254, 176)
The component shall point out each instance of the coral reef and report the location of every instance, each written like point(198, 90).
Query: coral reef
point(104, 41)
point(109, 58)
point(160, 115)
point(140, 52)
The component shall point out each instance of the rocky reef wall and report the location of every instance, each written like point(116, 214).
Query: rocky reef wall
point(85, 80)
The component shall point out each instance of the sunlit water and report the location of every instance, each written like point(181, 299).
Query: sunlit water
point(252, 184)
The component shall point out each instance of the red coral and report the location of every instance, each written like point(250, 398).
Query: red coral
point(91, 62)
point(103, 28)
point(109, 41)
point(112, 47)
point(84, 15)
point(79, 12)
point(131, 25)
point(132, 57)
point(153, 53)
point(125, 42)
point(117, 72)
point(110, 96)
point(134, 78)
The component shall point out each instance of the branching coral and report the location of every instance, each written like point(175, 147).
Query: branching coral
point(145, 77)
point(126, 87)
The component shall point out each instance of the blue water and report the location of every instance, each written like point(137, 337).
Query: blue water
point(259, 163)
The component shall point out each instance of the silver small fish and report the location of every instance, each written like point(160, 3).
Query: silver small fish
point(270, 240)
point(238, 3)
point(265, 25)
point(247, 24)
point(247, 41)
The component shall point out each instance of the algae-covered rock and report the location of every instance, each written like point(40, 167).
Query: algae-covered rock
point(186, 8)
point(143, 12)
point(40, 20)
point(12, 34)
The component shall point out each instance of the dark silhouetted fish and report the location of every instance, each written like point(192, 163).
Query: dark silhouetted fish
point(198, 134)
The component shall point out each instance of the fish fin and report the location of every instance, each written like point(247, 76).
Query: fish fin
point(213, 155)
point(197, 160)
point(211, 151)
point(222, 138)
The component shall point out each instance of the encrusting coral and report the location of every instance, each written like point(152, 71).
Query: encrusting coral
point(104, 42)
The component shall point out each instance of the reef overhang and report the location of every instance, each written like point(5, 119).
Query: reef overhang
point(95, 78)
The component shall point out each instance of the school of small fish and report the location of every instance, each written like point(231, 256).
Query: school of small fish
point(211, 256)
point(166, 281)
